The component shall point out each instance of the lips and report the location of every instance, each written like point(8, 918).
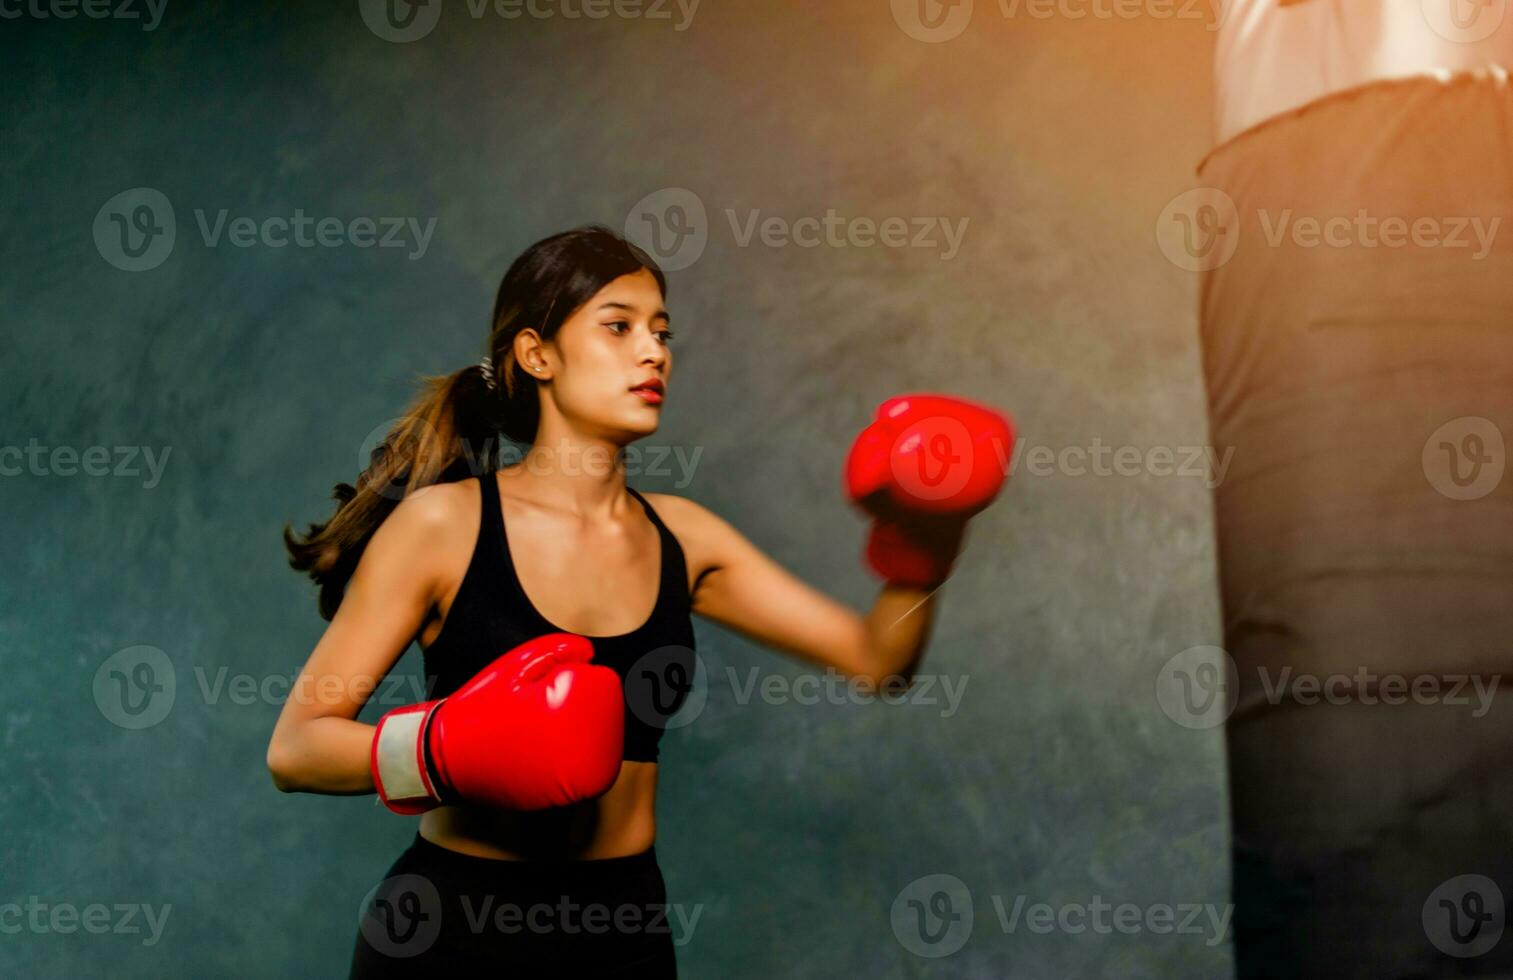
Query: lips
point(650, 391)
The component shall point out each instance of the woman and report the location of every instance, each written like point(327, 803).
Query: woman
point(436, 544)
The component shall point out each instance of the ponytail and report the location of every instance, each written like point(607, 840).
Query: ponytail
point(449, 432)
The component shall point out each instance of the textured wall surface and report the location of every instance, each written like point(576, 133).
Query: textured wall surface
point(255, 375)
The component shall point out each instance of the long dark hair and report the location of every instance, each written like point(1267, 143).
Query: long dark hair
point(451, 429)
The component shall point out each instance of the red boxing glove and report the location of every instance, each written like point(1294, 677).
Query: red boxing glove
point(539, 727)
point(922, 469)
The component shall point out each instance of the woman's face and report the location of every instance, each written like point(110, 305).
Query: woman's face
point(613, 344)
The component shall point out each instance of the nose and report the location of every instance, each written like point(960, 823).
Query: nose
point(651, 353)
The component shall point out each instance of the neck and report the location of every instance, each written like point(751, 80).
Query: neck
point(585, 477)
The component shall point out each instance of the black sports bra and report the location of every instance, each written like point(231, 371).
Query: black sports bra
point(492, 615)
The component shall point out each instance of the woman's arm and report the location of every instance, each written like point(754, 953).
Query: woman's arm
point(921, 469)
point(316, 745)
point(742, 588)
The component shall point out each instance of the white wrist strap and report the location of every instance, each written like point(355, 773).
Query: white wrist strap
point(399, 765)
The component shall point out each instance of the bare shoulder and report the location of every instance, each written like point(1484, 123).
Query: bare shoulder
point(432, 529)
point(700, 531)
point(681, 513)
point(438, 508)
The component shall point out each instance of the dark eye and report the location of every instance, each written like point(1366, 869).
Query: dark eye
point(618, 323)
point(665, 336)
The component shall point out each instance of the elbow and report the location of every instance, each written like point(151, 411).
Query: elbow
point(281, 768)
point(884, 674)
point(888, 687)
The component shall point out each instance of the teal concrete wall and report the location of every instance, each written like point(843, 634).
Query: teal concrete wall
point(255, 376)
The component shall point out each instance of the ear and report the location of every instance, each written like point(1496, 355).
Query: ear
point(531, 354)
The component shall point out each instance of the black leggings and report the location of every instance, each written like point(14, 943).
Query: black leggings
point(441, 913)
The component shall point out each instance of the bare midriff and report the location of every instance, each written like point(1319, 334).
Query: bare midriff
point(617, 824)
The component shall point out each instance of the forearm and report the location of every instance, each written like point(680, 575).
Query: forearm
point(323, 755)
point(898, 627)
